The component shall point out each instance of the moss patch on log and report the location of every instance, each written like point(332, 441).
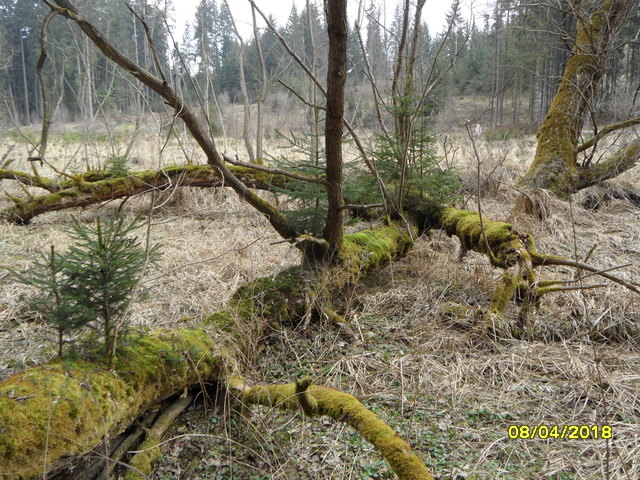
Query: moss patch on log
point(498, 240)
point(66, 407)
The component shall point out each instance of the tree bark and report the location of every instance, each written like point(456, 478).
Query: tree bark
point(336, 81)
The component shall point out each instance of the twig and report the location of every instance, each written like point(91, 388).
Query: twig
point(557, 260)
point(357, 207)
point(274, 171)
point(478, 161)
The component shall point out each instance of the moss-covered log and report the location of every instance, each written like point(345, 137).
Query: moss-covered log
point(66, 408)
point(324, 401)
point(504, 246)
point(51, 413)
point(101, 186)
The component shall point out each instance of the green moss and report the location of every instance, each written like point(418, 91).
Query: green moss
point(456, 311)
point(505, 246)
point(143, 461)
point(281, 298)
point(504, 292)
point(222, 320)
point(81, 402)
point(375, 247)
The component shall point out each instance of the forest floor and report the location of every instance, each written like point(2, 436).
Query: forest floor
point(449, 389)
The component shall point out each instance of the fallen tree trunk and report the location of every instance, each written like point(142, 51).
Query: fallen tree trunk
point(97, 187)
point(66, 408)
point(50, 414)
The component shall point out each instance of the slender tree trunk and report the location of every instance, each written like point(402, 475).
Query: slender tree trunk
point(262, 91)
point(27, 116)
point(336, 80)
point(246, 123)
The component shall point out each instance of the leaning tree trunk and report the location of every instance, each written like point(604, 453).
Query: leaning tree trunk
point(555, 166)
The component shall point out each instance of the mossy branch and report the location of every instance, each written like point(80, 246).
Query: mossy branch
point(343, 407)
point(603, 132)
point(97, 187)
point(29, 180)
point(149, 452)
point(624, 159)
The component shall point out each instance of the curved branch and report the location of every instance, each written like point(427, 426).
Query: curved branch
point(546, 260)
point(606, 131)
point(325, 401)
point(624, 159)
point(46, 94)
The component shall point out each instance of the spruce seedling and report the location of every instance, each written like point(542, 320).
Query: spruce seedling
point(105, 267)
point(57, 300)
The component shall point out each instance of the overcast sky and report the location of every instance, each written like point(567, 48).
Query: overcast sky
point(434, 12)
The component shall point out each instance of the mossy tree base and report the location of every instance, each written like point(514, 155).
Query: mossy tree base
point(555, 166)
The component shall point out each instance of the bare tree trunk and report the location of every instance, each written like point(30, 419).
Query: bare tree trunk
point(336, 79)
point(27, 116)
point(246, 123)
point(262, 91)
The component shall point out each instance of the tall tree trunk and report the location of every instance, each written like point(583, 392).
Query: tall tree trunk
point(336, 80)
point(246, 122)
point(262, 91)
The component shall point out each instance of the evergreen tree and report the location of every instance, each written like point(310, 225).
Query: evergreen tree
point(57, 299)
point(106, 263)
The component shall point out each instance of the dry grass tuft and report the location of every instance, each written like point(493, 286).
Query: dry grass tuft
point(536, 203)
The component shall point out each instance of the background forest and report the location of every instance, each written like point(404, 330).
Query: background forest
point(512, 56)
point(154, 324)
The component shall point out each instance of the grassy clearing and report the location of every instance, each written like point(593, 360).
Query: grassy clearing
point(450, 391)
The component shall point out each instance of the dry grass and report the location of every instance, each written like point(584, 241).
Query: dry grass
point(449, 389)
